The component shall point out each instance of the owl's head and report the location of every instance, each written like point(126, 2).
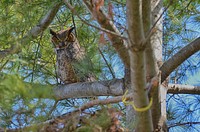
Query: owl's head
point(62, 38)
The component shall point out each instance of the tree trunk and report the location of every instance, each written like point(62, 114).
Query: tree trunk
point(159, 95)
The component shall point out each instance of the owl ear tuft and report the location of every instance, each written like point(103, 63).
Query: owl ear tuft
point(71, 29)
point(53, 33)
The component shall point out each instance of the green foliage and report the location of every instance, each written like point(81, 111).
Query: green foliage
point(26, 75)
point(180, 28)
point(35, 64)
point(11, 86)
point(100, 121)
point(85, 129)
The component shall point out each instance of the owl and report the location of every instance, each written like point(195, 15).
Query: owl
point(68, 52)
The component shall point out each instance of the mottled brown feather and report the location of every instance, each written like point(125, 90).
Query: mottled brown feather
point(68, 51)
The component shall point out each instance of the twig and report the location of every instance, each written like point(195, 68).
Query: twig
point(103, 102)
point(36, 55)
point(93, 103)
point(99, 28)
point(52, 109)
point(74, 24)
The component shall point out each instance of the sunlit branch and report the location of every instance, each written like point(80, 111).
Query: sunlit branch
point(183, 89)
point(113, 87)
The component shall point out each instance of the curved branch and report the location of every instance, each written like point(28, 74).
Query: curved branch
point(34, 32)
point(171, 64)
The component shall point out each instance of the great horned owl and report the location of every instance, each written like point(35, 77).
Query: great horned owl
point(68, 51)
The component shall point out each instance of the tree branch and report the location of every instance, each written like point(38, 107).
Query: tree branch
point(183, 89)
point(109, 67)
point(64, 119)
point(34, 32)
point(117, 42)
point(104, 102)
point(113, 87)
point(183, 124)
point(171, 64)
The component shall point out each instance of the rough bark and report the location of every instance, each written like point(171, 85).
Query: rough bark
point(141, 58)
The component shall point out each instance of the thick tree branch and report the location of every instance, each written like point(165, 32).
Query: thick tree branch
point(116, 84)
point(117, 42)
point(179, 58)
point(113, 87)
point(183, 89)
point(33, 33)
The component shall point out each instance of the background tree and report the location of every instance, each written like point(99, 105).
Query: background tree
point(124, 42)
